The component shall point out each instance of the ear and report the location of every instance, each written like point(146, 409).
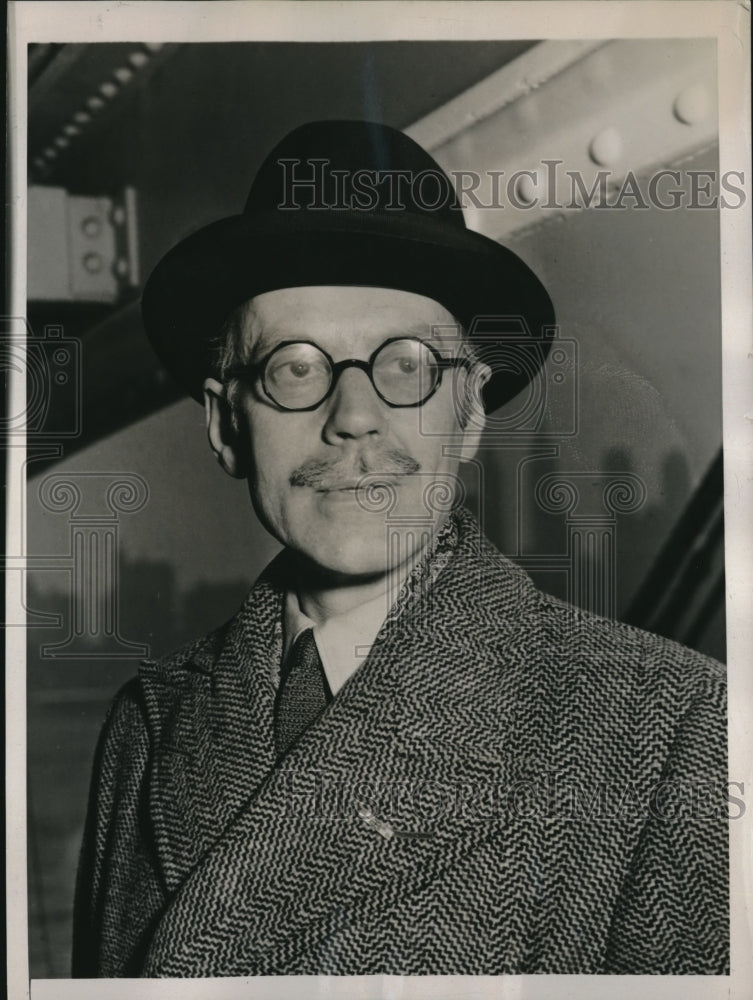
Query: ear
point(224, 439)
point(476, 417)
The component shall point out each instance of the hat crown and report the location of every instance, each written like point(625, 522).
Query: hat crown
point(353, 166)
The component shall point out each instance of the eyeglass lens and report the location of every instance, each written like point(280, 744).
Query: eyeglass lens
point(298, 376)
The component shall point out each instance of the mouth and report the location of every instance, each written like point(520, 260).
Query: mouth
point(359, 486)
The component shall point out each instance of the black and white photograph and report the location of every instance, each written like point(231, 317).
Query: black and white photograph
point(378, 511)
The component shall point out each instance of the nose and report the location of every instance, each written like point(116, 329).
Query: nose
point(354, 410)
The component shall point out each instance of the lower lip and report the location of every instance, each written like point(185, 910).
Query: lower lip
point(339, 496)
point(356, 496)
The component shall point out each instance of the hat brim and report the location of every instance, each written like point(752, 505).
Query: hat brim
point(500, 302)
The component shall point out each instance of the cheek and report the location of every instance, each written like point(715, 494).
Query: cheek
point(275, 442)
point(428, 436)
point(277, 445)
point(436, 447)
point(267, 464)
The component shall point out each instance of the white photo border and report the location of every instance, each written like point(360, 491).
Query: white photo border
point(321, 20)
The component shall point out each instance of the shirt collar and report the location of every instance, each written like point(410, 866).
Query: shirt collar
point(343, 641)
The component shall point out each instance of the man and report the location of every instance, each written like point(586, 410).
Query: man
point(398, 756)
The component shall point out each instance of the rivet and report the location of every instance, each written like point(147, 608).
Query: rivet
point(92, 263)
point(91, 226)
point(138, 59)
point(118, 215)
point(108, 88)
point(692, 104)
point(95, 103)
point(50, 153)
point(123, 74)
point(605, 147)
point(82, 117)
point(121, 267)
point(71, 130)
point(61, 142)
point(153, 46)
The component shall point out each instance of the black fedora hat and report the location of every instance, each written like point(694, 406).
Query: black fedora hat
point(349, 203)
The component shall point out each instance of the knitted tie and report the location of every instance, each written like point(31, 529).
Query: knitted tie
point(304, 693)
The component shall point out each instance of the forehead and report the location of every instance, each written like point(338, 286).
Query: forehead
point(334, 312)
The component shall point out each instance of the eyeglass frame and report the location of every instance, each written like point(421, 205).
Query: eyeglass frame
point(338, 367)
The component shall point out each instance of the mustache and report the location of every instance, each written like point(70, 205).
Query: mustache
point(322, 474)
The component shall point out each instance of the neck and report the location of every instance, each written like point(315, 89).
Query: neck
point(323, 594)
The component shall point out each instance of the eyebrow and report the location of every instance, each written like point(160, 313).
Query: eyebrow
point(262, 345)
point(450, 332)
point(262, 342)
point(440, 334)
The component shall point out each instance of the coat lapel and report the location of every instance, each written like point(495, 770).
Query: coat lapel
point(211, 714)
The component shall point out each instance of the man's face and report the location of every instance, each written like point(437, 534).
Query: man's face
point(320, 480)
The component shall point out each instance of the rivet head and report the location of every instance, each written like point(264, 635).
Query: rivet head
point(95, 103)
point(61, 142)
point(692, 104)
point(154, 46)
point(71, 130)
point(138, 59)
point(123, 74)
point(121, 267)
point(606, 147)
point(82, 117)
point(91, 226)
point(92, 263)
point(108, 88)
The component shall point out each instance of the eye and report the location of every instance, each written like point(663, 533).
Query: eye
point(402, 359)
point(298, 369)
point(406, 364)
point(297, 363)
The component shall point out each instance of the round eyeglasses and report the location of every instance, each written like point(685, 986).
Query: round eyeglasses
point(299, 375)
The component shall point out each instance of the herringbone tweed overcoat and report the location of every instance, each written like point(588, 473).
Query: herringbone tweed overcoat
point(506, 785)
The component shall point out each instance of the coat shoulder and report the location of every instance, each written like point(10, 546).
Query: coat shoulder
point(612, 654)
point(197, 655)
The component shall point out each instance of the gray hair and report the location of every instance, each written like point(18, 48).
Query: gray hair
point(231, 348)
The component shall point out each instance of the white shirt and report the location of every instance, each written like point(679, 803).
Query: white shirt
point(343, 641)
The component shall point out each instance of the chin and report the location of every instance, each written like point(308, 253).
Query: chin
point(360, 557)
point(352, 559)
